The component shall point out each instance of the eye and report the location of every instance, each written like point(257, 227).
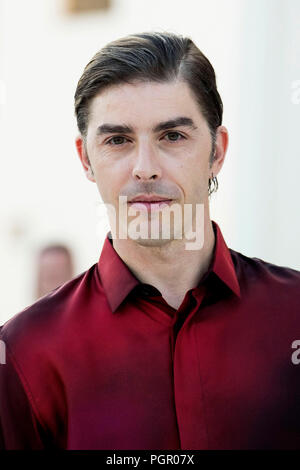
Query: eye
point(117, 140)
point(174, 136)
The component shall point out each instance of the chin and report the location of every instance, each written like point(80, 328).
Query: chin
point(158, 239)
point(152, 243)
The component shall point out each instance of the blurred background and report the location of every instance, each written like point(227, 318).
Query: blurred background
point(51, 215)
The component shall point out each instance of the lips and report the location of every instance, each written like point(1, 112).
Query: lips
point(150, 199)
point(150, 203)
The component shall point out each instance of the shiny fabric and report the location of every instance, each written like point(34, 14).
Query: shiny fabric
point(103, 362)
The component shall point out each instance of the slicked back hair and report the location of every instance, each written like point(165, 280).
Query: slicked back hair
point(150, 56)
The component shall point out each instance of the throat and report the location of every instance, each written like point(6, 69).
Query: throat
point(173, 301)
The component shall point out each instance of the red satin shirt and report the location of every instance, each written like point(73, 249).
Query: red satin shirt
point(103, 362)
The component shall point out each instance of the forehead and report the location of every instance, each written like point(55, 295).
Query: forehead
point(144, 102)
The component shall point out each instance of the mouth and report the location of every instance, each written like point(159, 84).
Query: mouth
point(150, 205)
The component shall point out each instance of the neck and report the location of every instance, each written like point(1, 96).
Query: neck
point(171, 268)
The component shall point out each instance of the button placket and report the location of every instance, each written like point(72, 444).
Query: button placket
point(186, 384)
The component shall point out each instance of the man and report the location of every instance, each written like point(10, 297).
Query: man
point(162, 344)
point(54, 267)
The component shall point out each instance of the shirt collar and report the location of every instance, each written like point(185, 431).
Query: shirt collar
point(222, 264)
point(118, 281)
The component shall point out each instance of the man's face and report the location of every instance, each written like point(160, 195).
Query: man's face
point(148, 156)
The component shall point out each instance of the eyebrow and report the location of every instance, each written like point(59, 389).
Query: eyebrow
point(124, 129)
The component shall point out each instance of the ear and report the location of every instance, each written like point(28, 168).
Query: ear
point(220, 149)
point(82, 153)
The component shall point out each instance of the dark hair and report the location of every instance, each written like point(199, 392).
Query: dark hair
point(56, 247)
point(150, 56)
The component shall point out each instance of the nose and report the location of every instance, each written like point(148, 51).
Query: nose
point(146, 165)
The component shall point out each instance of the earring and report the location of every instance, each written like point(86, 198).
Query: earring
point(212, 184)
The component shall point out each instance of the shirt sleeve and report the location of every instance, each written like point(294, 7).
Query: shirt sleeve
point(19, 427)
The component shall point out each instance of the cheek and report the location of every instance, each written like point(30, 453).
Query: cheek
point(194, 169)
point(110, 180)
point(193, 179)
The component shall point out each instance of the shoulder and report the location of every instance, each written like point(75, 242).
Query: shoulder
point(252, 271)
point(40, 323)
